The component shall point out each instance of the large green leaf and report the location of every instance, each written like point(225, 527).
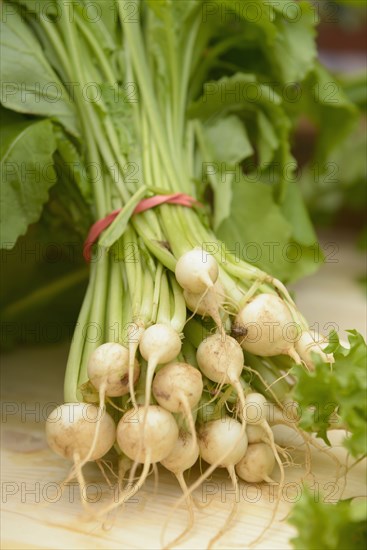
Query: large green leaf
point(228, 140)
point(259, 14)
point(255, 221)
point(259, 230)
point(294, 48)
point(325, 102)
point(296, 213)
point(29, 84)
point(27, 173)
point(224, 143)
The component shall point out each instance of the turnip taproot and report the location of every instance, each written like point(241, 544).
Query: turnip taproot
point(108, 369)
point(257, 464)
point(183, 456)
point(269, 327)
point(159, 344)
point(70, 430)
point(207, 304)
point(220, 358)
point(225, 433)
point(178, 387)
point(306, 345)
point(157, 440)
point(196, 271)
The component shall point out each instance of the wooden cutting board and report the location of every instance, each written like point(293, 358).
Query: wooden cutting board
point(36, 515)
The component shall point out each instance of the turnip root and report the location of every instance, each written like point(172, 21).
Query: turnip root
point(146, 446)
point(220, 358)
point(178, 387)
point(159, 437)
point(214, 436)
point(70, 430)
point(257, 464)
point(159, 344)
point(255, 413)
point(183, 456)
point(306, 345)
point(269, 327)
point(207, 304)
point(108, 369)
point(225, 433)
point(196, 271)
point(255, 434)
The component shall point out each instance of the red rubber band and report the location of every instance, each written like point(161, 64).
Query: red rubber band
point(145, 204)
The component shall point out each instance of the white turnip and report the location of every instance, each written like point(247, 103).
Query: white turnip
point(178, 388)
point(269, 327)
point(196, 271)
point(306, 345)
point(257, 464)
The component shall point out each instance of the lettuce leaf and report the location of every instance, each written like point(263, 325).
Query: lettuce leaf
point(329, 526)
point(336, 395)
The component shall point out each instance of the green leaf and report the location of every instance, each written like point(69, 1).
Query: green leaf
point(327, 105)
point(258, 14)
point(253, 201)
point(296, 213)
point(258, 230)
point(267, 142)
point(27, 174)
point(175, 12)
point(341, 387)
point(73, 165)
point(244, 95)
point(295, 47)
point(229, 93)
point(46, 7)
point(328, 526)
point(29, 84)
point(226, 144)
point(228, 140)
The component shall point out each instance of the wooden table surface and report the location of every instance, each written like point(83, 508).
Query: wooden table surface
point(35, 514)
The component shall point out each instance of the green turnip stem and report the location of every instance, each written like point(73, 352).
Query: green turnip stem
point(164, 313)
point(77, 344)
point(114, 314)
point(156, 294)
point(97, 316)
point(179, 316)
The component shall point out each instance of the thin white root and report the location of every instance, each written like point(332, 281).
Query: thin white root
point(190, 511)
point(270, 435)
point(156, 479)
point(103, 472)
point(204, 476)
point(190, 419)
point(76, 468)
point(101, 408)
point(133, 347)
point(81, 482)
point(222, 531)
point(129, 492)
